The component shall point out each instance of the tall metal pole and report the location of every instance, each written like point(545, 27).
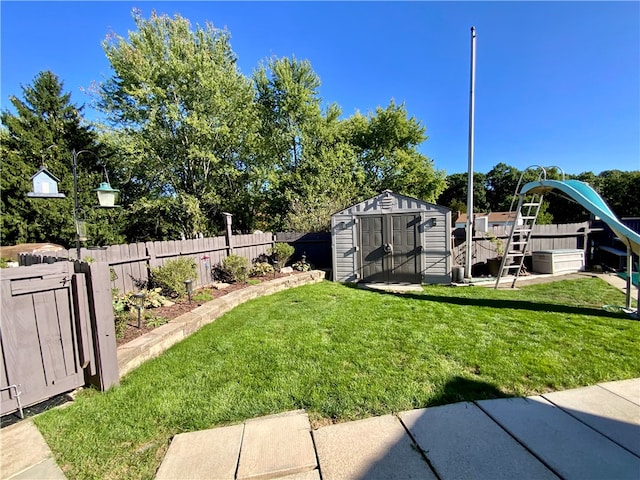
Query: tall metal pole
point(629, 276)
point(467, 264)
point(76, 207)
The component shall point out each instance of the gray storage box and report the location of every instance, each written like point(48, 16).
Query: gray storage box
point(558, 261)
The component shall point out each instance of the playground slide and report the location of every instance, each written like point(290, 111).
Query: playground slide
point(587, 197)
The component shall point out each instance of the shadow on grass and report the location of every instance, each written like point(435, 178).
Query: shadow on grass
point(460, 389)
point(510, 304)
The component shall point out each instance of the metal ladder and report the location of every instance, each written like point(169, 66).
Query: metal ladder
point(524, 221)
point(518, 241)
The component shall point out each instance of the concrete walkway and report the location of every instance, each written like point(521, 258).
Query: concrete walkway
point(25, 455)
point(585, 433)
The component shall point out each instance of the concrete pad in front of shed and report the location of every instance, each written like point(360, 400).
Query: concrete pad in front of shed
point(276, 446)
point(615, 417)
point(461, 441)
point(566, 445)
point(204, 454)
point(374, 448)
point(629, 389)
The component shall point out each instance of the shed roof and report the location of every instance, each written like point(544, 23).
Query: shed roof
point(400, 199)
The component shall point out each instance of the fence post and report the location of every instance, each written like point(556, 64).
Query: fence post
point(229, 235)
point(102, 323)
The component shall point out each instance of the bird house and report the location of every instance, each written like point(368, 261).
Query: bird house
point(45, 185)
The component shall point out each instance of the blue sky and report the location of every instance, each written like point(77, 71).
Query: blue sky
point(556, 83)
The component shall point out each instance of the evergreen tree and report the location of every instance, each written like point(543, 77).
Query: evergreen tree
point(46, 127)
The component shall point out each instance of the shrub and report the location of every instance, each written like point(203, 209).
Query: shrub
point(261, 269)
point(171, 276)
point(127, 301)
point(281, 252)
point(220, 274)
point(237, 266)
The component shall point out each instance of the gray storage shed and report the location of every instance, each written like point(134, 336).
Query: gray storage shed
point(392, 238)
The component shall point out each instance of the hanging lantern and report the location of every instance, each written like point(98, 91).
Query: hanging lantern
point(106, 195)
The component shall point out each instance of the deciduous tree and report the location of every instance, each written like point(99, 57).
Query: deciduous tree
point(187, 110)
point(386, 143)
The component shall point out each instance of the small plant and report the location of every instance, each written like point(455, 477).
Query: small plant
point(121, 318)
point(114, 276)
point(281, 252)
point(497, 244)
point(302, 265)
point(261, 269)
point(126, 301)
point(154, 321)
point(171, 276)
point(237, 266)
point(125, 306)
point(202, 296)
point(253, 281)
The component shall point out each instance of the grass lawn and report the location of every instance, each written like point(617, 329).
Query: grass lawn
point(342, 353)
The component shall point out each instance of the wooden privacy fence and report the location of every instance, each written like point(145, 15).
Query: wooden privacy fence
point(315, 246)
point(57, 332)
point(543, 237)
point(132, 263)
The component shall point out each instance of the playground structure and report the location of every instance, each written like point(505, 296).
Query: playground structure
point(530, 198)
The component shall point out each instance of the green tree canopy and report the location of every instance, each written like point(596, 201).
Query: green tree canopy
point(386, 143)
point(312, 168)
point(455, 195)
point(186, 109)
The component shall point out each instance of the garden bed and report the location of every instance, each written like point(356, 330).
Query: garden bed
point(182, 305)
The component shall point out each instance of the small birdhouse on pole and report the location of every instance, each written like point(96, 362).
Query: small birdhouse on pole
point(45, 185)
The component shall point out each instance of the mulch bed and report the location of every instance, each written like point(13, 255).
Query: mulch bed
point(182, 306)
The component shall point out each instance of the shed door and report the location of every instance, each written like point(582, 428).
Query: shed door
point(372, 240)
point(390, 248)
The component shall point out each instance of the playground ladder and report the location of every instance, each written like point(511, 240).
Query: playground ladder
point(518, 241)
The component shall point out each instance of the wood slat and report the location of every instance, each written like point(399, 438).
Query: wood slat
point(83, 323)
point(26, 286)
point(47, 323)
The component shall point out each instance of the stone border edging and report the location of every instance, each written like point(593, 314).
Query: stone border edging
point(152, 344)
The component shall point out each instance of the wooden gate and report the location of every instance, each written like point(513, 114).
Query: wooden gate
point(52, 340)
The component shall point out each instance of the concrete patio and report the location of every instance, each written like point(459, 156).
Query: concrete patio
point(591, 432)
